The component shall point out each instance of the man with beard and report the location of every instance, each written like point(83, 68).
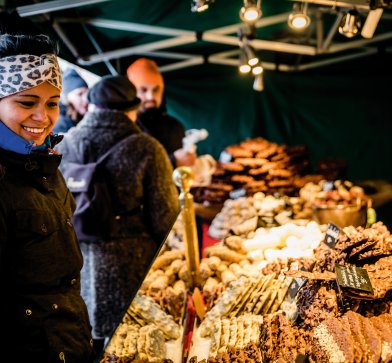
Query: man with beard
point(152, 118)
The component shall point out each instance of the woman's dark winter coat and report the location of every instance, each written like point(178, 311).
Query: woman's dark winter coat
point(140, 175)
point(44, 318)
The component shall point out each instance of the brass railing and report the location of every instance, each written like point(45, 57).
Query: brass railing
point(183, 178)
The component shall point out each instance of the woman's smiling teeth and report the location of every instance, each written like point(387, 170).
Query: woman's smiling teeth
point(34, 130)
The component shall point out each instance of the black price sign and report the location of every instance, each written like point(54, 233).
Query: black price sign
point(295, 286)
point(237, 193)
point(353, 277)
point(331, 236)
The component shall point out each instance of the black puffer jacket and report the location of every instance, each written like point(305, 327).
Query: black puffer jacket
point(140, 175)
point(166, 129)
point(43, 317)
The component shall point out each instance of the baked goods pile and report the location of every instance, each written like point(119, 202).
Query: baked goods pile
point(250, 354)
point(259, 243)
point(245, 214)
point(353, 338)
point(321, 320)
point(271, 294)
point(257, 165)
point(329, 194)
point(166, 282)
point(143, 333)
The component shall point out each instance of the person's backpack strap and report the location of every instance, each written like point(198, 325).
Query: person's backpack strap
point(78, 157)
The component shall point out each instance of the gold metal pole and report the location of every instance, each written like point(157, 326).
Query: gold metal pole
point(183, 178)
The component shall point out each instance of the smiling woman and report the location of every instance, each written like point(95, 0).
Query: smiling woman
point(33, 113)
point(40, 258)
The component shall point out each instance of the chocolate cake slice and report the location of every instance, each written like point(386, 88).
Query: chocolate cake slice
point(333, 342)
point(383, 324)
point(372, 339)
point(353, 321)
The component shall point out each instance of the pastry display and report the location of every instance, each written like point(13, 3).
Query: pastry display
point(143, 334)
point(275, 288)
point(250, 353)
point(243, 215)
point(258, 165)
point(166, 282)
point(333, 193)
point(321, 321)
point(145, 308)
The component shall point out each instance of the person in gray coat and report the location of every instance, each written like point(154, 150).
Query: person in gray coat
point(144, 196)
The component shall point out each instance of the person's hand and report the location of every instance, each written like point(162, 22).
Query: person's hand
point(184, 157)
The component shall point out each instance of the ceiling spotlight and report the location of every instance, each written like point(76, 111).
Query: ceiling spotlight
point(251, 11)
point(258, 84)
point(350, 24)
point(251, 55)
point(258, 69)
point(198, 6)
point(298, 19)
point(244, 67)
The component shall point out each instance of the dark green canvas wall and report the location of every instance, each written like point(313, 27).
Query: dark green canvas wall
point(343, 111)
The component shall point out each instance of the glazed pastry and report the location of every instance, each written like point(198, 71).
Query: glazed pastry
point(151, 312)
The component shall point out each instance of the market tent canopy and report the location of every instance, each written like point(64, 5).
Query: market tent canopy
point(321, 89)
point(106, 35)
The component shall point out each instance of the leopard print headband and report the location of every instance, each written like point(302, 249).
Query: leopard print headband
point(21, 72)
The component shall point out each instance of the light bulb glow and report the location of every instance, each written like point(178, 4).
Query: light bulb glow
point(250, 14)
point(244, 68)
point(253, 61)
point(257, 70)
point(202, 8)
point(298, 21)
point(198, 6)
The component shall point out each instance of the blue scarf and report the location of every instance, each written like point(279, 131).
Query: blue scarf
point(13, 142)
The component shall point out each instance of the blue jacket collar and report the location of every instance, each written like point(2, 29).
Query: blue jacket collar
point(13, 142)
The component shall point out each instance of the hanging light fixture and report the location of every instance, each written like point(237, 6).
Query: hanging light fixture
point(258, 84)
point(253, 59)
point(251, 11)
point(299, 19)
point(249, 60)
point(257, 69)
point(244, 66)
point(246, 48)
point(198, 6)
point(350, 24)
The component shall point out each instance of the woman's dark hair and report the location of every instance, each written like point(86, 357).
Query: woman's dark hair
point(26, 44)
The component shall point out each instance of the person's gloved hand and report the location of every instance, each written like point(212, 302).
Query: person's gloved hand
point(184, 157)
